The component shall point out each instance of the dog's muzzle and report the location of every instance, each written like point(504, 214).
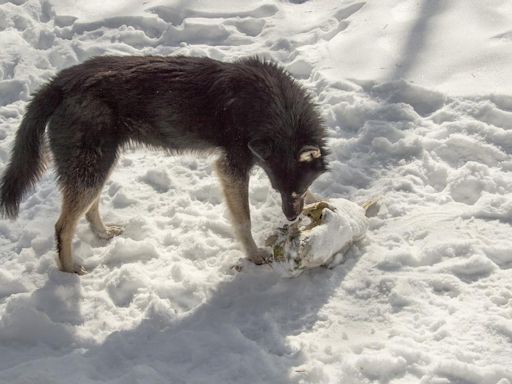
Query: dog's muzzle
point(292, 206)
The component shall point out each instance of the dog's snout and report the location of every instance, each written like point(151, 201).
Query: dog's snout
point(291, 217)
point(292, 207)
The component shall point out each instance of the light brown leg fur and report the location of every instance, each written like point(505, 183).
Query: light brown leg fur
point(97, 226)
point(74, 204)
point(236, 192)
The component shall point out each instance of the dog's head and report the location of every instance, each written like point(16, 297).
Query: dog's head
point(282, 128)
point(291, 170)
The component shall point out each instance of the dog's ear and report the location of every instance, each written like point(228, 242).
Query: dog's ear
point(308, 153)
point(261, 148)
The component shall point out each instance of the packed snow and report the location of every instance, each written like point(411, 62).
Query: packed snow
point(417, 98)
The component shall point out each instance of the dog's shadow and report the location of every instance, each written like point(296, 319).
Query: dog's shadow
point(244, 332)
point(240, 335)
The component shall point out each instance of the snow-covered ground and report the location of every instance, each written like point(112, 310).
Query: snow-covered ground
point(417, 96)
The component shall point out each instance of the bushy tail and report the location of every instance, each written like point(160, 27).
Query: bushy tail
point(26, 165)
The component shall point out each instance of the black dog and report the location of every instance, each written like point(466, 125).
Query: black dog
point(252, 111)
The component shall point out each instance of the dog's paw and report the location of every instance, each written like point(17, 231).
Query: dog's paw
point(110, 232)
point(76, 268)
point(80, 270)
point(259, 256)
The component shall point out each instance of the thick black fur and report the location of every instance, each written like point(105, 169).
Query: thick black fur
point(175, 103)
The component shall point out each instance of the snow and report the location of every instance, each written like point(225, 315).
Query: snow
point(416, 96)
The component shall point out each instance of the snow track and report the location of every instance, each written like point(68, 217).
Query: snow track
point(418, 113)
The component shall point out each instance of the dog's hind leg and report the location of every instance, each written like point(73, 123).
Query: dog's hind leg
point(236, 192)
point(97, 226)
point(74, 204)
point(84, 142)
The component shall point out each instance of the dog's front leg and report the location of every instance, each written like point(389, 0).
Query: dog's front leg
point(235, 186)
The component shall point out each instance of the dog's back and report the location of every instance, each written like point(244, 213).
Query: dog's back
point(166, 102)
